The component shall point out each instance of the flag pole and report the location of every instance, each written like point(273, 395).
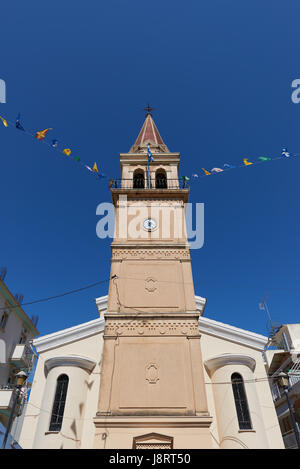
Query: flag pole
point(148, 172)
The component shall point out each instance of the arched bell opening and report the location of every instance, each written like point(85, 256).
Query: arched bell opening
point(161, 179)
point(139, 179)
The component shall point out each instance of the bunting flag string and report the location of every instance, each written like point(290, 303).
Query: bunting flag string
point(261, 159)
point(4, 122)
point(18, 123)
point(206, 172)
point(54, 143)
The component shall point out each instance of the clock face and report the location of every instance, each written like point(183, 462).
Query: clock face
point(149, 224)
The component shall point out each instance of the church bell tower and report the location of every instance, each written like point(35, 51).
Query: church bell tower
point(152, 390)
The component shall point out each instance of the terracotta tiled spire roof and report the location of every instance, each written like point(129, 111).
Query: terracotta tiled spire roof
point(149, 134)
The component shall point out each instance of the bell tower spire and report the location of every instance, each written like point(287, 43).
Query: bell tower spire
point(149, 135)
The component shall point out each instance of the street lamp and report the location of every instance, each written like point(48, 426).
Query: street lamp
point(283, 379)
point(21, 378)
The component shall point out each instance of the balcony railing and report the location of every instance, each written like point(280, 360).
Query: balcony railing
point(22, 357)
point(294, 372)
point(140, 184)
point(294, 378)
point(277, 392)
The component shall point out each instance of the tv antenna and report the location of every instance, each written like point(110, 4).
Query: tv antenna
point(274, 325)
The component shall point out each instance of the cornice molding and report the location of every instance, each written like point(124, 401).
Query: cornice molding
point(168, 157)
point(107, 421)
point(153, 245)
point(141, 254)
point(65, 336)
point(70, 360)
point(231, 333)
point(219, 361)
point(101, 303)
point(160, 325)
point(200, 303)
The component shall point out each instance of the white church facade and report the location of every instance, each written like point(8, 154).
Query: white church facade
point(151, 371)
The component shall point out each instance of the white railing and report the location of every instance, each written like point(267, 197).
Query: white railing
point(294, 378)
point(276, 391)
point(22, 357)
point(294, 372)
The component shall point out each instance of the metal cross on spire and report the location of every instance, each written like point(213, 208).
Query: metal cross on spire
point(149, 109)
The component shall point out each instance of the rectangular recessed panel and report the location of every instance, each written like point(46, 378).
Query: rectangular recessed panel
point(154, 284)
point(152, 375)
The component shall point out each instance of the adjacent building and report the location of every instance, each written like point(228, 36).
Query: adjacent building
point(16, 332)
point(286, 359)
point(151, 371)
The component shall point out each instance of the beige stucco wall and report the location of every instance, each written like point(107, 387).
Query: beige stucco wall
point(129, 168)
point(185, 437)
point(221, 402)
point(82, 398)
point(79, 424)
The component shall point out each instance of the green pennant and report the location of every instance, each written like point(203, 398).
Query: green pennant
point(264, 158)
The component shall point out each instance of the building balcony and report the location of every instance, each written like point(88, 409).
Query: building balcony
point(22, 357)
point(6, 399)
point(294, 380)
point(294, 372)
point(143, 184)
point(276, 391)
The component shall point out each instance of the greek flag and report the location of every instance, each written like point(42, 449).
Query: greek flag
point(150, 157)
point(285, 153)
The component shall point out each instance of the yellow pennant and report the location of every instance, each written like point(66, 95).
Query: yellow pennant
point(206, 172)
point(4, 122)
point(246, 163)
point(67, 151)
point(95, 168)
point(42, 134)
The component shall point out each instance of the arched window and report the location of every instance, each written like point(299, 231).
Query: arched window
point(241, 403)
point(161, 180)
point(138, 179)
point(59, 403)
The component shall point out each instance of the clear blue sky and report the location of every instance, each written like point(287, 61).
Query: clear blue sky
point(219, 76)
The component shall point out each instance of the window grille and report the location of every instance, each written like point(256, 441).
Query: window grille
point(59, 403)
point(241, 403)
